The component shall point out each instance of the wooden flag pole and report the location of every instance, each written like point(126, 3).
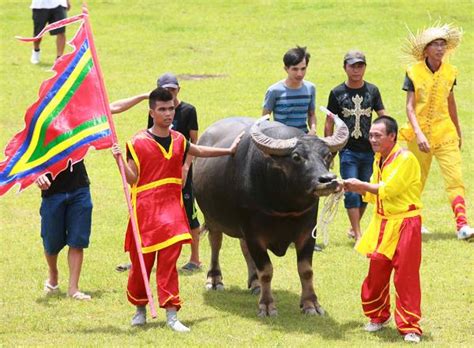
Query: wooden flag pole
point(121, 167)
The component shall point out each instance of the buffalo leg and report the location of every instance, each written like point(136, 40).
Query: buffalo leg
point(266, 304)
point(252, 282)
point(214, 275)
point(304, 254)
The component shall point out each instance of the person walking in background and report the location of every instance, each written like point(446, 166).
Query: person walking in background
point(393, 238)
point(292, 101)
point(433, 129)
point(44, 12)
point(354, 101)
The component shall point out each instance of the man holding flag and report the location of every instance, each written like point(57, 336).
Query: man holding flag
point(154, 171)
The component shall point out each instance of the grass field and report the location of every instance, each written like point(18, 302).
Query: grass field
point(242, 42)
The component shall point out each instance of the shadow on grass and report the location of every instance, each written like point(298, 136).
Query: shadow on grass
point(239, 302)
point(435, 236)
point(52, 299)
point(185, 273)
point(152, 324)
point(391, 334)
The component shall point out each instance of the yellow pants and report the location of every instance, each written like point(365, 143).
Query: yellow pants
point(449, 160)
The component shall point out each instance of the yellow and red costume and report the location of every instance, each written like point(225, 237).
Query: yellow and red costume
point(432, 90)
point(161, 219)
point(393, 241)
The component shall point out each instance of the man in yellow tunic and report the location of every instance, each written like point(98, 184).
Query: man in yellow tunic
point(433, 128)
point(393, 239)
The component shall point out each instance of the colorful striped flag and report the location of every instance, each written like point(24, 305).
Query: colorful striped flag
point(71, 114)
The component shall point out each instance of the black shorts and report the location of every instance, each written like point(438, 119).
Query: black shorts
point(189, 206)
point(43, 16)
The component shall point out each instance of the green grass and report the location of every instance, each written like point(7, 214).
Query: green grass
point(244, 41)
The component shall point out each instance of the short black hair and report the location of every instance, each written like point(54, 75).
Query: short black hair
point(391, 126)
point(159, 94)
point(295, 56)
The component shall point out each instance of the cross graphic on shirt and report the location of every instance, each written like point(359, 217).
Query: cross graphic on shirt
point(357, 112)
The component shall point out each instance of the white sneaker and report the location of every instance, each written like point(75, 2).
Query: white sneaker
point(424, 230)
point(139, 317)
point(177, 326)
point(412, 337)
point(465, 233)
point(173, 322)
point(373, 327)
point(35, 57)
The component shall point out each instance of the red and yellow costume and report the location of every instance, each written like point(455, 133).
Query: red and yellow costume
point(161, 219)
point(432, 90)
point(393, 241)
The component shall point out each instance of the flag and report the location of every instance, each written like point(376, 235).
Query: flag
point(71, 115)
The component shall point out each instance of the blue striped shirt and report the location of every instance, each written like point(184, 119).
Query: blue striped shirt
point(290, 106)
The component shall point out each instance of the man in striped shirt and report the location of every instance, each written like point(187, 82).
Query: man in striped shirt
point(292, 101)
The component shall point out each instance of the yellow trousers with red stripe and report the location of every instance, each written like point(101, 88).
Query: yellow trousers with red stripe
point(406, 262)
point(449, 159)
point(166, 277)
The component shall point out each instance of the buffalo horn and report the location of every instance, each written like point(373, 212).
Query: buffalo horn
point(269, 145)
point(339, 139)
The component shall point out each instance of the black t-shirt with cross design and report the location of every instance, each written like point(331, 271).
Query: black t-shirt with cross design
point(355, 108)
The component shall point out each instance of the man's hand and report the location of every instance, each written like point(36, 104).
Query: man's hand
point(43, 182)
point(116, 150)
point(233, 147)
point(340, 186)
point(355, 185)
point(68, 7)
point(117, 153)
point(422, 142)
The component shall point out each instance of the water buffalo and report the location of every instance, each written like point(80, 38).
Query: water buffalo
point(267, 196)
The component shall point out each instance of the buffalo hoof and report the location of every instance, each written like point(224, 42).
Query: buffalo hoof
point(264, 312)
point(318, 310)
point(255, 290)
point(217, 286)
point(310, 311)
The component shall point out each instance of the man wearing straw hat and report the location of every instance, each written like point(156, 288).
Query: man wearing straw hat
point(433, 128)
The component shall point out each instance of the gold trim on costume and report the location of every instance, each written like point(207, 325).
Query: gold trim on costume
point(157, 183)
point(166, 243)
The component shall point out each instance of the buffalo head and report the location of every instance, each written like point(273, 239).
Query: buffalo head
point(304, 158)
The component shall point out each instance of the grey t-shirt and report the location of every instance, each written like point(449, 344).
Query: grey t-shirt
point(290, 106)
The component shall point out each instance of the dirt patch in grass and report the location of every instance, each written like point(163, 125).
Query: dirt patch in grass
point(201, 76)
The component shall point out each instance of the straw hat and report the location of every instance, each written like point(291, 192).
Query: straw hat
point(416, 44)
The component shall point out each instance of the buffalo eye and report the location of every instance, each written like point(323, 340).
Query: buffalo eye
point(296, 157)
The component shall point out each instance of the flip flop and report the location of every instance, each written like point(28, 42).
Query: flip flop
point(50, 289)
point(191, 267)
point(80, 296)
point(123, 267)
point(351, 234)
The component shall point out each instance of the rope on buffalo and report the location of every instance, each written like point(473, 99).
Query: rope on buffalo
point(326, 216)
